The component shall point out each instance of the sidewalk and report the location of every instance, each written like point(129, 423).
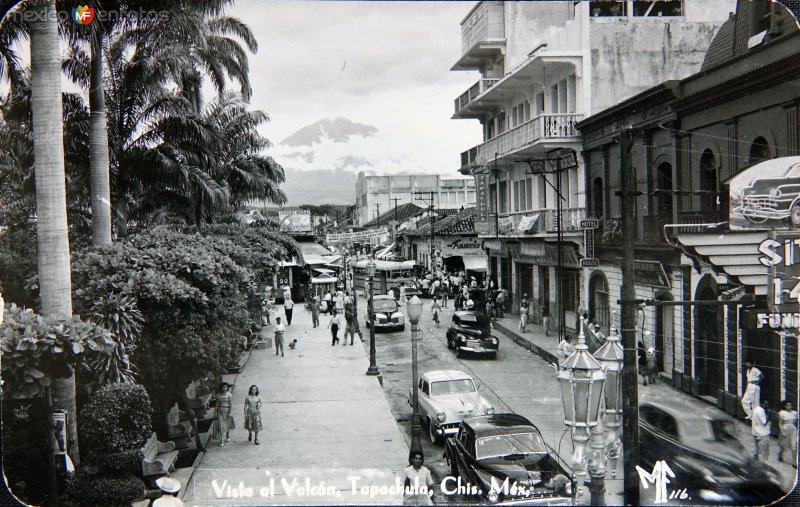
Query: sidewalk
point(329, 434)
point(546, 347)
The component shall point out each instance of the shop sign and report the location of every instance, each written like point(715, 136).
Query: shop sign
point(296, 220)
point(482, 194)
point(350, 237)
point(547, 255)
point(650, 273)
point(462, 247)
point(782, 256)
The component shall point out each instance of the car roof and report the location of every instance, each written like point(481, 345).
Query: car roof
point(499, 424)
point(439, 375)
point(682, 410)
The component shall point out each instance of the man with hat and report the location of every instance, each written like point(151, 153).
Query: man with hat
point(169, 487)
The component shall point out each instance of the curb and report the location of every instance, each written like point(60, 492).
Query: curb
point(525, 343)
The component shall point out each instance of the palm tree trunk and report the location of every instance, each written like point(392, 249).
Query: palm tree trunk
point(55, 289)
point(98, 146)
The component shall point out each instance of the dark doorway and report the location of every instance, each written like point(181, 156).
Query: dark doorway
point(709, 182)
point(663, 202)
point(544, 288)
point(709, 354)
point(762, 348)
point(664, 332)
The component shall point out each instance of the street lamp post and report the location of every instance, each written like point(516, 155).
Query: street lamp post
point(414, 308)
point(581, 378)
point(610, 355)
point(373, 366)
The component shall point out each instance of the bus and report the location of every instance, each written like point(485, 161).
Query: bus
point(388, 275)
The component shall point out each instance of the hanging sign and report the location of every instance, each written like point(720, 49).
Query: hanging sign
point(482, 194)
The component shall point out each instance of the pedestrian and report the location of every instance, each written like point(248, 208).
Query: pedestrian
point(435, 309)
point(279, 330)
point(787, 439)
point(504, 292)
point(490, 311)
point(288, 307)
point(315, 311)
point(641, 360)
point(223, 421)
point(417, 481)
point(565, 349)
point(546, 319)
point(760, 427)
point(523, 312)
point(350, 325)
point(752, 394)
point(500, 299)
point(445, 291)
point(339, 302)
point(328, 299)
point(169, 489)
point(650, 361)
point(333, 325)
point(266, 311)
point(252, 413)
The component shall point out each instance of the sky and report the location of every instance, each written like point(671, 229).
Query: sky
point(385, 64)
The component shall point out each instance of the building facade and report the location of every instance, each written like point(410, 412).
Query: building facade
point(376, 195)
point(691, 138)
point(545, 66)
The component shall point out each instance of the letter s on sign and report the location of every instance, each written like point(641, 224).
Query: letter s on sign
point(769, 256)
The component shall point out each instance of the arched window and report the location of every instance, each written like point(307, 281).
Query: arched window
point(709, 182)
point(598, 300)
point(759, 151)
point(597, 198)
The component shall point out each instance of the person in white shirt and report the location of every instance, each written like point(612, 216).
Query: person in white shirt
point(565, 349)
point(752, 394)
point(279, 330)
point(417, 482)
point(760, 426)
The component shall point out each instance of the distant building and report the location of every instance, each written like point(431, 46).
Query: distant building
point(545, 66)
point(375, 195)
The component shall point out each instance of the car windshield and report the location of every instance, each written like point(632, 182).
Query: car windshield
point(794, 171)
point(472, 320)
point(452, 387)
point(514, 444)
point(385, 305)
point(712, 430)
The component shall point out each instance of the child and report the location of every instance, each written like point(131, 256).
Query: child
point(435, 309)
point(787, 440)
point(252, 413)
point(293, 344)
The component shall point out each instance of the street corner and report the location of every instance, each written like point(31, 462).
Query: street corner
point(334, 486)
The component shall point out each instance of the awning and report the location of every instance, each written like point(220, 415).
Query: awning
point(383, 254)
point(313, 259)
point(324, 279)
point(474, 263)
point(287, 264)
point(325, 271)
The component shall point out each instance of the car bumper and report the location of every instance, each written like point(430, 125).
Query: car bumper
point(766, 212)
point(478, 349)
point(447, 429)
point(389, 325)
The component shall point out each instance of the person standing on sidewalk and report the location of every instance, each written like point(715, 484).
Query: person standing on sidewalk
point(333, 325)
point(546, 319)
point(315, 311)
point(565, 349)
point(787, 440)
point(523, 312)
point(435, 309)
point(252, 413)
point(417, 481)
point(223, 422)
point(752, 395)
point(350, 322)
point(760, 426)
point(500, 299)
point(279, 330)
point(288, 307)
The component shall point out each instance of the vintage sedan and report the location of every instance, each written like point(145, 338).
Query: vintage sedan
point(387, 314)
point(471, 332)
point(703, 450)
point(770, 191)
point(502, 458)
point(446, 397)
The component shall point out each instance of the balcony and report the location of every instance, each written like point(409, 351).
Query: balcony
point(570, 220)
point(468, 158)
point(543, 127)
point(509, 223)
point(698, 221)
point(468, 96)
point(482, 35)
point(653, 228)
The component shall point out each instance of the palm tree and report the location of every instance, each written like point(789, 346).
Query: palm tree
point(51, 204)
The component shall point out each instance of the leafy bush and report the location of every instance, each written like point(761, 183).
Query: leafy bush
point(25, 434)
point(91, 488)
point(114, 426)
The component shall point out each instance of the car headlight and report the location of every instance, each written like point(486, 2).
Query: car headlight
point(490, 411)
point(462, 338)
point(441, 416)
point(494, 341)
point(494, 496)
point(775, 193)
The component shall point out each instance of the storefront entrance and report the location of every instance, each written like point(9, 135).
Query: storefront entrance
point(708, 350)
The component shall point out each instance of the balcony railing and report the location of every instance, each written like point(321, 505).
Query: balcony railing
point(478, 88)
point(570, 220)
point(690, 220)
point(545, 126)
point(469, 157)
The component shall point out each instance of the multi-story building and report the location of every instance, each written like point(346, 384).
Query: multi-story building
point(692, 137)
point(544, 66)
point(376, 195)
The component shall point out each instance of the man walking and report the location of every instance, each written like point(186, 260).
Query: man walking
point(315, 311)
point(288, 307)
point(752, 394)
point(350, 323)
point(760, 426)
point(279, 330)
point(501, 304)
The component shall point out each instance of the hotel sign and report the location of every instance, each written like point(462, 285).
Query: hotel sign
point(782, 256)
point(482, 194)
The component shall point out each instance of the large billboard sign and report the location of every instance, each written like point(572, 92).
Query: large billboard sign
point(767, 196)
point(350, 237)
point(295, 220)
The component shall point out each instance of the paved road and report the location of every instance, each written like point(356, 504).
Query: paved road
point(517, 381)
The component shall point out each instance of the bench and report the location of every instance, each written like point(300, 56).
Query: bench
point(159, 457)
point(179, 429)
point(198, 397)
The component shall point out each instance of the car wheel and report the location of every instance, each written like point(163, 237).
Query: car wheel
point(402, 328)
point(450, 344)
point(753, 219)
point(794, 215)
point(432, 435)
point(494, 355)
point(459, 354)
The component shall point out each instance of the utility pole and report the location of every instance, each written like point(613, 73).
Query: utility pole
point(630, 381)
point(431, 208)
point(394, 227)
point(377, 210)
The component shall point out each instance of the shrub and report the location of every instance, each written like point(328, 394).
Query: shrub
point(91, 488)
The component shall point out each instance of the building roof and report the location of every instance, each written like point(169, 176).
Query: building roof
point(399, 214)
point(460, 222)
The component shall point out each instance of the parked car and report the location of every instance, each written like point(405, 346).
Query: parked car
point(471, 332)
point(502, 458)
point(446, 397)
point(387, 314)
point(771, 195)
point(702, 448)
